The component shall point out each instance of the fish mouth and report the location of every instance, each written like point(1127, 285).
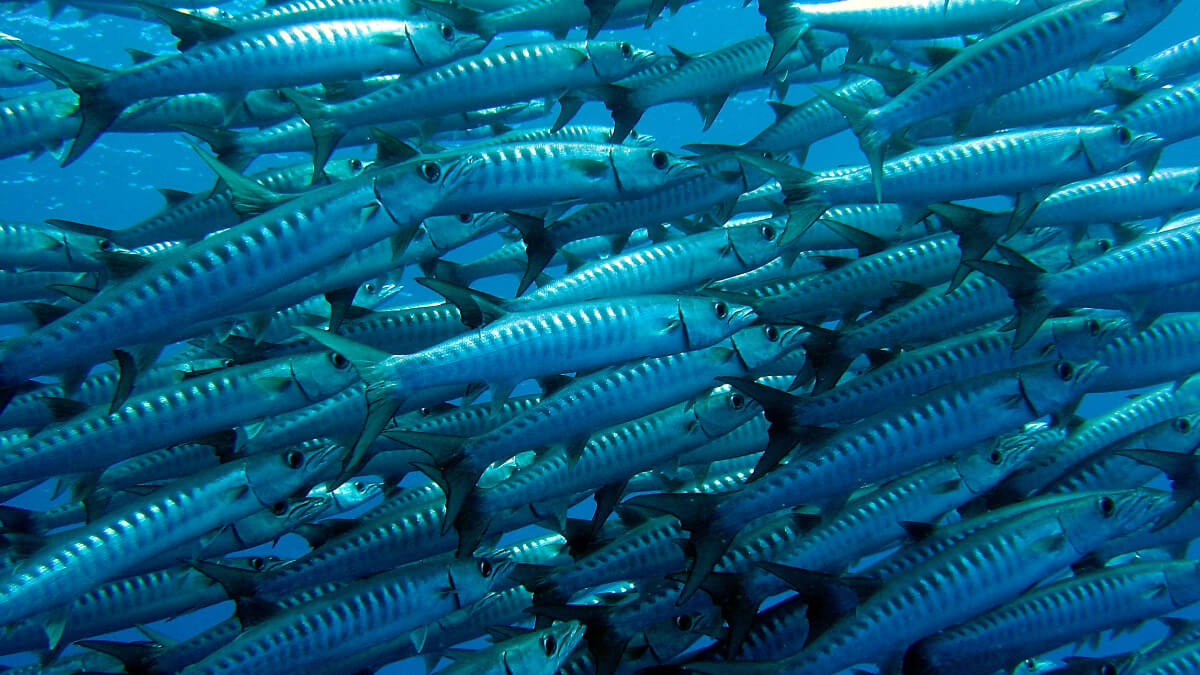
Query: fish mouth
point(742, 316)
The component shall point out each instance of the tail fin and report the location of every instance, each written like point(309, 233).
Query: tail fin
point(599, 11)
point(539, 250)
point(785, 29)
point(695, 514)
point(326, 131)
point(97, 111)
point(803, 202)
point(226, 143)
point(1021, 278)
point(383, 397)
point(871, 140)
point(188, 29)
point(625, 115)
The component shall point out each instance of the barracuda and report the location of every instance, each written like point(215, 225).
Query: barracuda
point(514, 74)
point(592, 402)
point(1045, 618)
point(571, 338)
point(1156, 261)
point(1173, 64)
point(1121, 198)
point(1170, 111)
point(1003, 164)
point(1112, 470)
point(1042, 44)
point(177, 413)
point(352, 618)
point(901, 438)
point(275, 57)
point(162, 301)
point(866, 20)
point(990, 568)
point(181, 512)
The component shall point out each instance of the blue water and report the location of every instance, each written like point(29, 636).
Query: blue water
point(112, 184)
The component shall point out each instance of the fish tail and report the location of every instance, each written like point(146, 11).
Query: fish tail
point(539, 249)
point(1021, 278)
point(625, 114)
point(326, 131)
point(188, 29)
point(226, 143)
point(804, 203)
point(707, 542)
point(383, 393)
point(872, 140)
point(97, 110)
point(784, 26)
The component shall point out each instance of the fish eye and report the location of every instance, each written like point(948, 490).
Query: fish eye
point(722, 310)
point(447, 31)
point(1182, 425)
point(996, 457)
point(430, 171)
point(485, 568)
point(105, 245)
point(369, 287)
point(737, 401)
point(257, 563)
point(19, 65)
point(228, 363)
point(1103, 245)
point(338, 360)
point(1093, 327)
point(424, 412)
point(279, 508)
point(1064, 370)
point(633, 134)
point(294, 458)
point(279, 96)
point(684, 622)
point(358, 485)
point(1124, 135)
point(1106, 506)
point(626, 50)
point(768, 232)
point(772, 333)
point(356, 165)
point(1108, 669)
point(660, 159)
point(549, 645)
point(464, 217)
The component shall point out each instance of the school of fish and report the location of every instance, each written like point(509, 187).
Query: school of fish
point(701, 408)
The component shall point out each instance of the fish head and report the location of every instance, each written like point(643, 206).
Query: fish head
point(1126, 78)
point(424, 186)
point(758, 346)
point(707, 321)
point(643, 170)
point(638, 138)
point(322, 374)
point(1109, 146)
point(1181, 434)
point(372, 294)
point(16, 71)
point(612, 60)
point(724, 409)
point(1078, 338)
point(436, 42)
point(1049, 387)
point(982, 467)
point(543, 651)
point(1092, 520)
point(471, 579)
point(451, 231)
point(755, 244)
point(275, 476)
point(348, 495)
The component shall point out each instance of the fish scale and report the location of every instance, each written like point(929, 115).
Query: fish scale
point(1112, 471)
point(1171, 112)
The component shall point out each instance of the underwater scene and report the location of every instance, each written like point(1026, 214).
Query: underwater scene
point(599, 336)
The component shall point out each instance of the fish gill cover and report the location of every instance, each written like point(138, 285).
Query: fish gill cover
point(578, 336)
